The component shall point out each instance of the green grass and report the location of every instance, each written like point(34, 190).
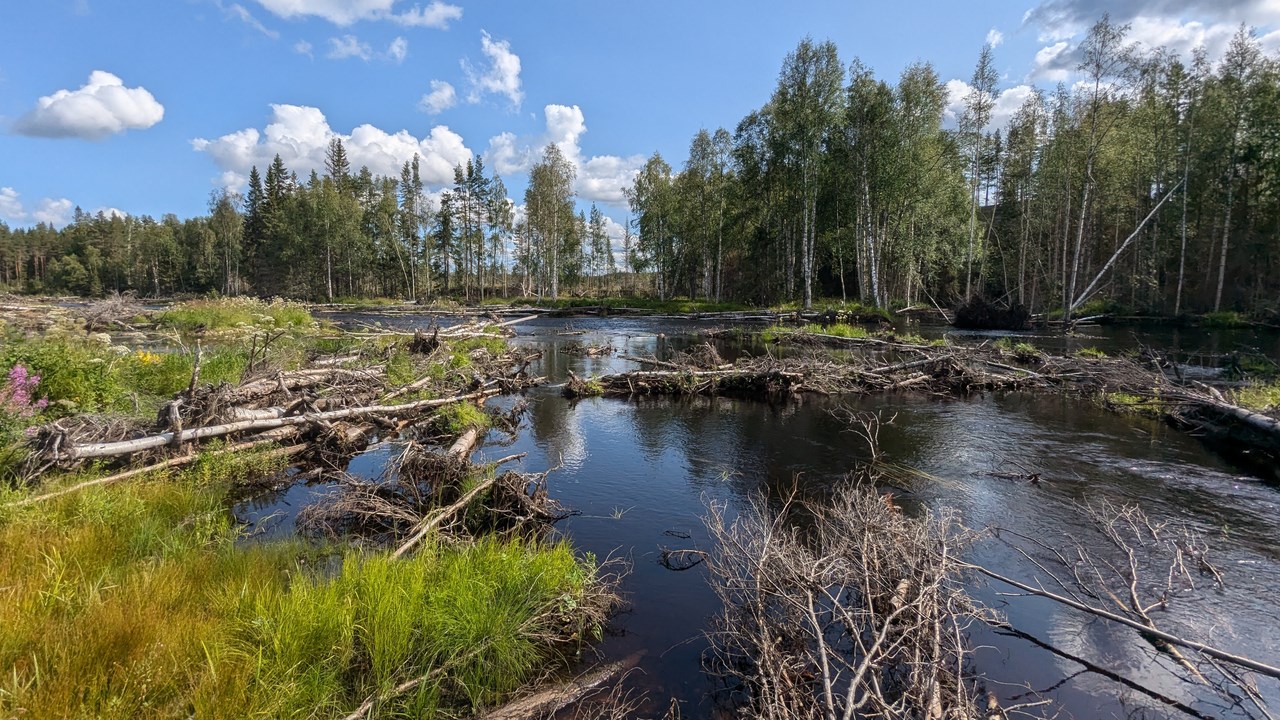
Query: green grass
point(1021, 351)
point(458, 417)
point(136, 601)
point(1128, 403)
point(843, 330)
point(235, 312)
point(674, 305)
point(79, 374)
point(1262, 397)
point(1225, 319)
point(364, 302)
point(1091, 353)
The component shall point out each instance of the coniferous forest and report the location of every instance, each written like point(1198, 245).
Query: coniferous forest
point(1152, 183)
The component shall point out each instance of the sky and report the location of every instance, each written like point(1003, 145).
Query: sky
point(146, 106)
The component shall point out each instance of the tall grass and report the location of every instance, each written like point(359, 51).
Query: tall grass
point(234, 312)
point(136, 601)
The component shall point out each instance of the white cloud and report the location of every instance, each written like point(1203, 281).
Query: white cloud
point(1054, 63)
point(1006, 104)
point(102, 107)
point(441, 98)
point(302, 47)
point(994, 37)
point(349, 46)
point(55, 212)
point(301, 135)
point(239, 12)
point(600, 178)
point(1063, 19)
point(436, 14)
point(398, 50)
point(1153, 32)
point(502, 76)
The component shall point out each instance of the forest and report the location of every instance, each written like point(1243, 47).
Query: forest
point(1152, 183)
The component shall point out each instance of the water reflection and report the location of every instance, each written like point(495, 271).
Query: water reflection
point(639, 472)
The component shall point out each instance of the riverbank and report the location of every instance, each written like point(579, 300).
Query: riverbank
point(131, 590)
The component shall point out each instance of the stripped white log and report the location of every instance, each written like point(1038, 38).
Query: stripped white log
point(123, 447)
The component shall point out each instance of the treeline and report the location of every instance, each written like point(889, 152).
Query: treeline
point(849, 186)
point(1151, 182)
point(340, 234)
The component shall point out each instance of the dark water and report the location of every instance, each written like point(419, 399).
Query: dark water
point(640, 474)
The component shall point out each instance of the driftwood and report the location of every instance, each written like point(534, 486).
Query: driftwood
point(124, 447)
point(458, 451)
point(163, 465)
point(550, 700)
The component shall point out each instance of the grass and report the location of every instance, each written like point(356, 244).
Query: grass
point(81, 374)
point(1261, 396)
point(1091, 353)
point(237, 312)
point(1023, 352)
point(1128, 403)
point(458, 417)
point(135, 601)
point(1225, 319)
point(674, 305)
point(843, 330)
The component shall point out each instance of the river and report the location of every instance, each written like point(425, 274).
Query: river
point(638, 475)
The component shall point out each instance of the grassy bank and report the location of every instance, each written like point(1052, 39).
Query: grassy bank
point(142, 599)
point(136, 601)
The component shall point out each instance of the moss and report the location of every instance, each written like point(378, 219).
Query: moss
point(1091, 353)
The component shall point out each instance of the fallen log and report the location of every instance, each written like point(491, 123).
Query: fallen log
point(124, 447)
point(163, 465)
point(459, 450)
point(550, 700)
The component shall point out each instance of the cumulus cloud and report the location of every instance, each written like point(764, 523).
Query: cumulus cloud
point(441, 98)
point(600, 178)
point(398, 50)
point(51, 211)
point(1056, 62)
point(1006, 104)
point(1062, 19)
point(994, 37)
point(501, 74)
point(102, 107)
point(437, 14)
point(349, 46)
point(1178, 25)
point(301, 135)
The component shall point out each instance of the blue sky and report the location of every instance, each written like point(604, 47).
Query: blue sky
point(145, 106)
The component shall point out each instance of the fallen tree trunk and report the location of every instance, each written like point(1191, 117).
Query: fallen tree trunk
point(458, 451)
point(163, 465)
point(550, 700)
point(125, 447)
